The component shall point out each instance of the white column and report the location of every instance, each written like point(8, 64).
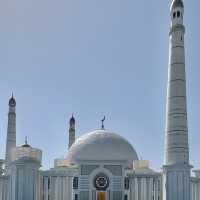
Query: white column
point(151, 188)
point(1, 188)
point(136, 189)
point(45, 188)
point(156, 188)
point(143, 189)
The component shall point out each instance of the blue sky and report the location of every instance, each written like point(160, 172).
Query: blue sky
point(93, 58)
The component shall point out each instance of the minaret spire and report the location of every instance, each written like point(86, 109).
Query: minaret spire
point(11, 131)
point(72, 134)
point(176, 167)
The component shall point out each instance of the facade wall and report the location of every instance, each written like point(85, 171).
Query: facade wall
point(24, 178)
point(1, 187)
point(195, 188)
point(87, 175)
point(117, 195)
point(60, 187)
point(84, 195)
point(145, 188)
point(4, 188)
point(56, 187)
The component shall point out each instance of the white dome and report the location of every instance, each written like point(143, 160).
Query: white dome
point(101, 145)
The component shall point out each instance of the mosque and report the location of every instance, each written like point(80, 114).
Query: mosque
point(101, 165)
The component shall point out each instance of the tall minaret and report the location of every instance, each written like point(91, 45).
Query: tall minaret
point(176, 177)
point(71, 131)
point(11, 131)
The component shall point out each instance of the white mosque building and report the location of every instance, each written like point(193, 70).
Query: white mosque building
point(101, 165)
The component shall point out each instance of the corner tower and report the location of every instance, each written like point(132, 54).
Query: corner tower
point(11, 131)
point(176, 169)
point(72, 134)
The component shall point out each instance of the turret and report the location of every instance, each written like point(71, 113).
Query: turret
point(24, 172)
point(72, 134)
point(11, 131)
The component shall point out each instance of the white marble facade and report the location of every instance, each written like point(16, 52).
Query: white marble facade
point(101, 165)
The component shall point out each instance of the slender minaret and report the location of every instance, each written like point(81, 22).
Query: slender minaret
point(71, 131)
point(11, 131)
point(176, 169)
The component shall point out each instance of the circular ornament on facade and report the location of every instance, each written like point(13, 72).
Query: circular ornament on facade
point(101, 182)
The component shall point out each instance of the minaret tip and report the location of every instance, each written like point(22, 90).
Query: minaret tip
point(177, 4)
point(12, 101)
point(72, 119)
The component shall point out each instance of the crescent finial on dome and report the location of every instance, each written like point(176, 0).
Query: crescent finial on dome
point(102, 123)
point(26, 143)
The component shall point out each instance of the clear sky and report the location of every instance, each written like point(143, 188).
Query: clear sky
point(93, 58)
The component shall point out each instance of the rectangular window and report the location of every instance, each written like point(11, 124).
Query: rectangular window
point(75, 183)
point(125, 197)
point(126, 183)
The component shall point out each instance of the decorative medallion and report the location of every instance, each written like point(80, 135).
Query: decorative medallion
point(101, 182)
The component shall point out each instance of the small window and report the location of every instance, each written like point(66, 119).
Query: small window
point(49, 182)
point(174, 15)
point(178, 14)
point(125, 197)
point(75, 183)
point(76, 196)
point(126, 183)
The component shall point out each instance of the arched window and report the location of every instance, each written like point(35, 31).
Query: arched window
point(174, 14)
point(178, 14)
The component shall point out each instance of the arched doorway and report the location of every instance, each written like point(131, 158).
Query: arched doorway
point(101, 195)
